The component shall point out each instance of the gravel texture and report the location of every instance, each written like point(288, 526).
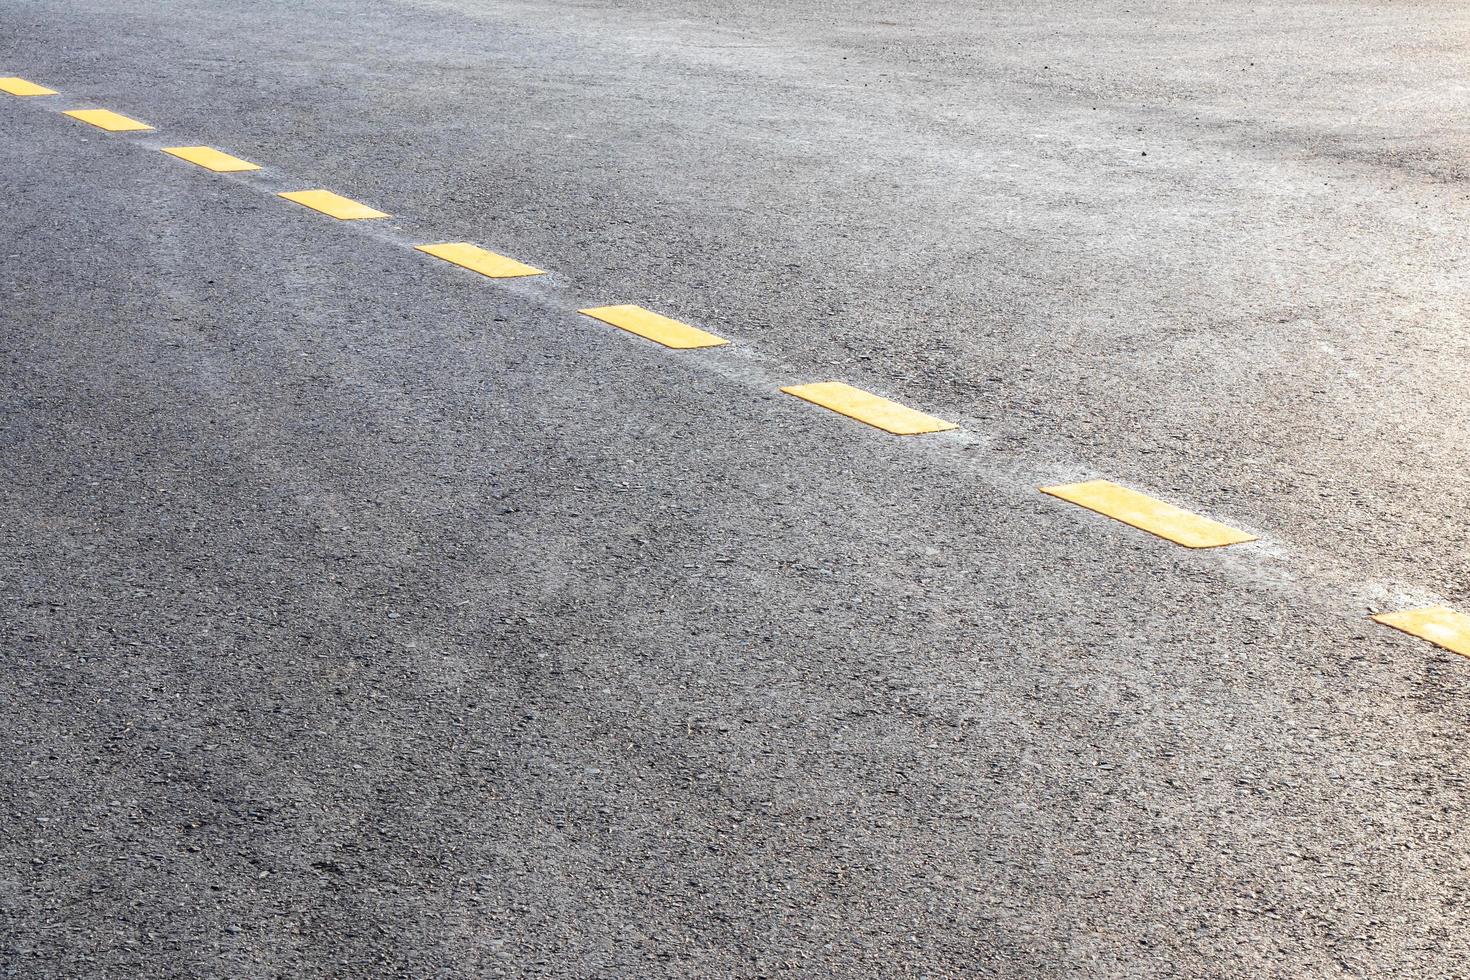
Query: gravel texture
point(364, 618)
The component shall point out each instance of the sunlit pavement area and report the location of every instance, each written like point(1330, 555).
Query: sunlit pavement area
point(669, 489)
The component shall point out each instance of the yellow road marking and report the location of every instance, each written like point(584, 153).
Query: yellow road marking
point(211, 159)
point(1439, 625)
point(1147, 514)
point(867, 407)
point(333, 204)
point(660, 329)
point(19, 86)
point(108, 120)
point(477, 259)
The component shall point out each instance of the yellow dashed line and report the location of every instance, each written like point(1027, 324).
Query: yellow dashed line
point(1440, 625)
point(19, 86)
point(660, 329)
point(867, 407)
point(108, 120)
point(1147, 514)
point(211, 159)
point(477, 259)
point(333, 204)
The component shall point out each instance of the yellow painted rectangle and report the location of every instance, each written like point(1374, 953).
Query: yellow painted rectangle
point(867, 407)
point(211, 159)
point(1147, 514)
point(19, 86)
point(333, 204)
point(660, 329)
point(108, 120)
point(1440, 625)
point(477, 259)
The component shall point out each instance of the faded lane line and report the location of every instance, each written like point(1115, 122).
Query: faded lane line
point(867, 407)
point(1148, 514)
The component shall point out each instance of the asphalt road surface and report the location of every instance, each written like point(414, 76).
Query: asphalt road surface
point(365, 617)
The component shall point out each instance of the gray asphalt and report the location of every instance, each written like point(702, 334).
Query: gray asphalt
point(366, 618)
